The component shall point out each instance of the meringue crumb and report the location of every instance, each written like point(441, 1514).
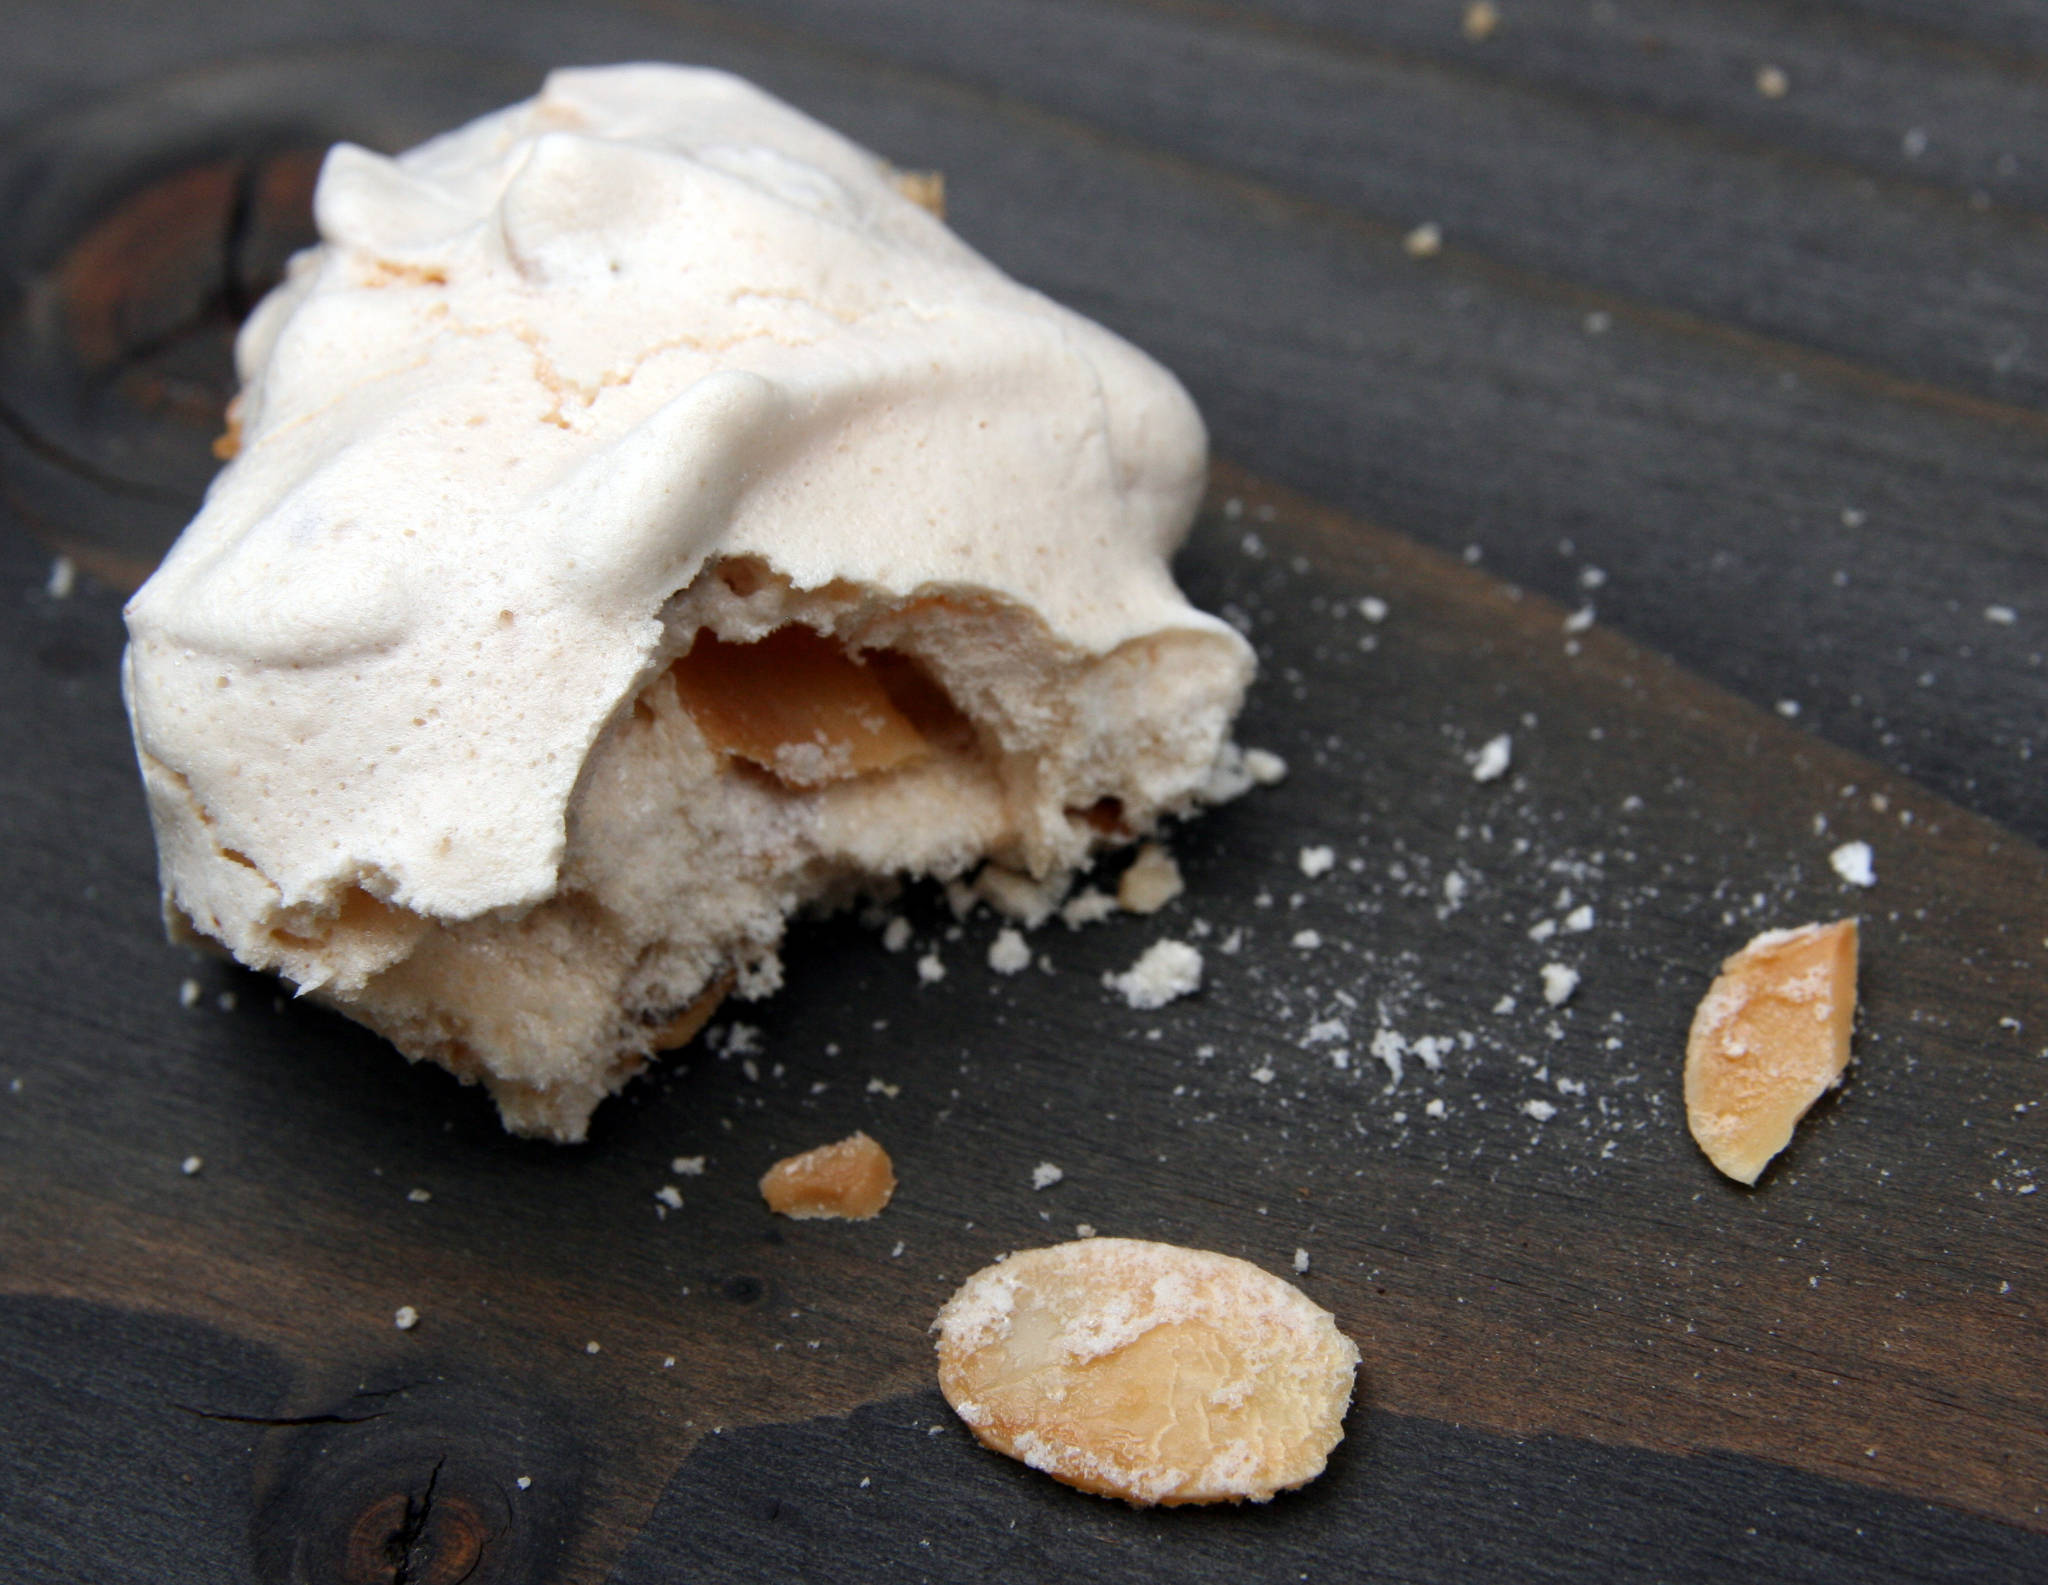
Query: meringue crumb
point(1559, 981)
point(1492, 761)
point(1009, 953)
point(1482, 20)
point(1265, 767)
point(1089, 906)
point(405, 1318)
point(850, 1180)
point(687, 1166)
point(1772, 82)
point(1855, 863)
point(1770, 1037)
point(1152, 881)
point(1045, 1175)
point(1426, 241)
point(1317, 861)
point(1301, 1262)
point(1146, 1371)
point(190, 1166)
point(1168, 971)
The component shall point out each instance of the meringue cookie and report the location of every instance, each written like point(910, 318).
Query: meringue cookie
point(648, 522)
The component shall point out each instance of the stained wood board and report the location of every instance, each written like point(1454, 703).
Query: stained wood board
point(1585, 1353)
point(1858, 1335)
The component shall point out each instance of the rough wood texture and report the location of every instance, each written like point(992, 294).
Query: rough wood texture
point(1587, 1354)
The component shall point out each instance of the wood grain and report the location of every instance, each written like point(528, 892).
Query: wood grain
point(1587, 1276)
point(1586, 1353)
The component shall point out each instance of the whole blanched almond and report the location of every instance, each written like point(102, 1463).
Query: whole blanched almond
point(1147, 1371)
point(1770, 1038)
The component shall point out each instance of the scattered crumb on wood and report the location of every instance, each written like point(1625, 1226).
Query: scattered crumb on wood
point(1167, 971)
point(850, 1180)
point(1770, 1038)
point(1146, 1371)
point(1152, 881)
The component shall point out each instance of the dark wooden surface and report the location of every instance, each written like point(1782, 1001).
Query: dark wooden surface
point(1805, 449)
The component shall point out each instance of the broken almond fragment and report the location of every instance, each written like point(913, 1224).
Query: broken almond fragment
point(1770, 1038)
point(797, 705)
point(1146, 1371)
point(851, 1180)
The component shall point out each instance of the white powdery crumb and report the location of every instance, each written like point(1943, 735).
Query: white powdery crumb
point(760, 979)
point(669, 1196)
point(1084, 1229)
point(1426, 241)
point(884, 1088)
point(1542, 1111)
point(1772, 82)
point(1308, 940)
point(190, 1166)
point(189, 994)
point(1090, 906)
point(687, 1166)
point(1019, 897)
point(1009, 953)
point(419, 1196)
point(1579, 620)
point(1045, 1175)
point(1492, 760)
point(1301, 1262)
point(1265, 767)
point(1433, 1109)
point(1789, 709)
point(1455, 889)
point(1432, 1049)
point(1504, 1006)
point(1373, 608)
point(1152, 881)
point(63, 578)
point(1389, 1046)
point(930, 970)
point(405, 1318)
point(2002, 615)
point(591, 1348)
point(524, 1483)
point(1543, 930)
point(1324, 1029)
point(1168, 971)
point(1580, 919)
point(896, 934)
point(1855, 863)
point(1262, 1074)
point(1317, 861)
point(1559, 981)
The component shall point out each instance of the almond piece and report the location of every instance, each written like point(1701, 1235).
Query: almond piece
point(797, 705)
point(851, 1180)
point(1770, 1038)
point(1146, 1371)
